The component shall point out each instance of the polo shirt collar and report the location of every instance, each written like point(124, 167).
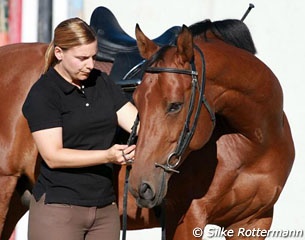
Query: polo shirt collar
point(63, 84)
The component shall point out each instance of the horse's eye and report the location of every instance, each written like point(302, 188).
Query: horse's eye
point(174, 107)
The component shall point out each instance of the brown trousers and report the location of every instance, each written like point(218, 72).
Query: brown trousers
point(69, 222)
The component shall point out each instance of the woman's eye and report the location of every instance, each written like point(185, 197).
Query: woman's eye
point(174, 107)
point(82, 58)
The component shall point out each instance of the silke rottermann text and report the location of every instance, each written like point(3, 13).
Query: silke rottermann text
point(255, 232)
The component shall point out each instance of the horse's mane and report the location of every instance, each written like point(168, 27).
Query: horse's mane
point(232, 31)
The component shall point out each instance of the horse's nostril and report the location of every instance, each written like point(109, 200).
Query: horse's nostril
point(146, 192)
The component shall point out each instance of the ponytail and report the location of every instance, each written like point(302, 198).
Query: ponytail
point(49, 57)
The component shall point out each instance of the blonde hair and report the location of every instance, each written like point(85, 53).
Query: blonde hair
point(69, 33)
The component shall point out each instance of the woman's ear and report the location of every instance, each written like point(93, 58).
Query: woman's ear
point(58, 52)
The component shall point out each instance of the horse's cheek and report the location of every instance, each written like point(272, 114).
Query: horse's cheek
point(201, 136)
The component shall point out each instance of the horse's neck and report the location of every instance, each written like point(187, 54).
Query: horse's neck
point(250, 103)
point(239, 113)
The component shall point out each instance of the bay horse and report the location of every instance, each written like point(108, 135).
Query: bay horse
point(214, 144)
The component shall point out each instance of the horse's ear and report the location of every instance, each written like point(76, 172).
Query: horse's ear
point(146, 47)
point(185, 44)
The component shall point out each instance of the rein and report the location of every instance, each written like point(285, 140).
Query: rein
point(188, 128)
point(131, 140)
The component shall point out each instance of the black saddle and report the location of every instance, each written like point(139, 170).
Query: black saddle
point(115, 45)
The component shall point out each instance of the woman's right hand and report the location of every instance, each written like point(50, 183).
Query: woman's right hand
point(121, 154)
point(50, 147)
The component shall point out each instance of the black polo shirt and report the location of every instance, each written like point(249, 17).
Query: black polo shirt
point(89, 121)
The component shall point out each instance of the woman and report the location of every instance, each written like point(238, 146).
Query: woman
point(73, 111)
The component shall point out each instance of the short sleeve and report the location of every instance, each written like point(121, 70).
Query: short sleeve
point(42, 108)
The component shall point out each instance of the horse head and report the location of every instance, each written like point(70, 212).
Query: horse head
point(174, 114)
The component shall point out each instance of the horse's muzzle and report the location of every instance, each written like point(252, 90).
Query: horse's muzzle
point(147, 196)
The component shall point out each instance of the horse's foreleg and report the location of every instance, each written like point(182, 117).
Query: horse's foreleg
point(16, 210)
point(189, 229)
point(191, 224)
point(8, 185)
point(249, 228)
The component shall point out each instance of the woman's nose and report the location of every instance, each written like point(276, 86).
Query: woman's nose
point(90, 63)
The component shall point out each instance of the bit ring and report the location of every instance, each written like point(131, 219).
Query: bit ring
point(127, 160)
